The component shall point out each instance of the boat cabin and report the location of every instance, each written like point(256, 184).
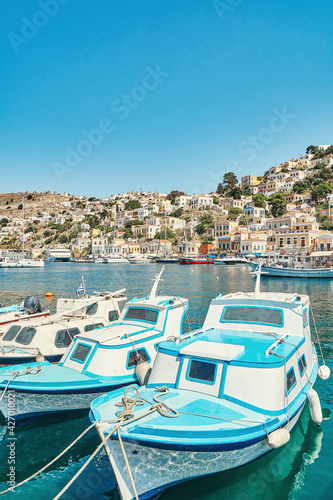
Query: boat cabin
point(253, 350)
point(51, 336)
point(142, 325)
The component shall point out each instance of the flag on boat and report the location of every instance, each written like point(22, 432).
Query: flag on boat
point(80, 289)
point(256, 269)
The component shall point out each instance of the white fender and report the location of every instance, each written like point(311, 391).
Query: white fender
point(324, 372)
point(278, 438)
point(142, 371)
point(40, 358)
point(315, 407)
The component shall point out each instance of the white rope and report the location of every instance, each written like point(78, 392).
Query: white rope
point(315, 326)
point(50, 463)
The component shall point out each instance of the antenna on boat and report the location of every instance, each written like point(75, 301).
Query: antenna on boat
point(157, 279)
point(257, 272)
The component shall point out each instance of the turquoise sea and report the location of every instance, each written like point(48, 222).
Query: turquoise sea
point(300, 470)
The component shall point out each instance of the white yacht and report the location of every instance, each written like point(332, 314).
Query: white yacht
point(58, 254)
point(140, 258)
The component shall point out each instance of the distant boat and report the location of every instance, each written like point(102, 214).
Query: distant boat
point(290, 272)
point(58, 254)
point(167, 260)
point(139, 258)
point(115, 259)
point(231, 261)
point(198, 260)
point(7, 263)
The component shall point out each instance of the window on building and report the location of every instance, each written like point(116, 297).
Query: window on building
point(288, 241)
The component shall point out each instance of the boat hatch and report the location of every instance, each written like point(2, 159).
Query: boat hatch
point(211, 350)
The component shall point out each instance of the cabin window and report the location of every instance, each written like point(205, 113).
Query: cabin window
point(149, 315)
point(88, 328)
point(261, 315)
point(92, 309)
point(65, 337)
point(12, 332)
point(306, 316)
point(133, 357)
point(26, 335)
point(291, 380)
point(302, 365)
point(113, 315)
point(201, 371)
point(80, 353)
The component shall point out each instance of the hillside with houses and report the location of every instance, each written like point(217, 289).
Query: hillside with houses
point(289, 208)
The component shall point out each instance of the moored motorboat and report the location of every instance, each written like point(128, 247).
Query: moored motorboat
point(231, 261)
point(29, 309)
point(280, 271)
point(195, 260)
point(96, 361)
point(234, 389)
point(141, 258)
point(48, 338)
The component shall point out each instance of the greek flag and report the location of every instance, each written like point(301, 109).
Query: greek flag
point(80, 289)
point(256, 269)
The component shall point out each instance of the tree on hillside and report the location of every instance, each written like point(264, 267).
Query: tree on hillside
point(300, 186)
point(320, 191)
point(132, 205)
point(243, 220)
point(200, 228)
point(177, 213)
point(173, 195)
point(220, 188)
point(326, 173)
point(236, 193)
point(277, 203)
point(259, 200)
point(230, 180)
point(170, 235)
point(234, 212)
point(311, 149)
point(246, 191)
point(207, 219)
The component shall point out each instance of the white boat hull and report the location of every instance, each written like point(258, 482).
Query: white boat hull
point(156, 469)
point(29, 406)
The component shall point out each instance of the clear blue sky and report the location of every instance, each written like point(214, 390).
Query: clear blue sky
point(182, 90)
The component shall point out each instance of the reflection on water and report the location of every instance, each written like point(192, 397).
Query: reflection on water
point(301, 468)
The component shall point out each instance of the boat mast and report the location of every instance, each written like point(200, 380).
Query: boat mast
point(157, 279)
point(22, 226)
point(165, 234)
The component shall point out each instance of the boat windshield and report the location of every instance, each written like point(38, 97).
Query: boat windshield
point(26, 335)
point(142, 314)
point(11, 333)
point(259, 315)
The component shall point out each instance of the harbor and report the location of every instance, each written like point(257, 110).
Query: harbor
point(308, 445)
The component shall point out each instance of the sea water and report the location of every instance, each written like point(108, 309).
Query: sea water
point(300, 470)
